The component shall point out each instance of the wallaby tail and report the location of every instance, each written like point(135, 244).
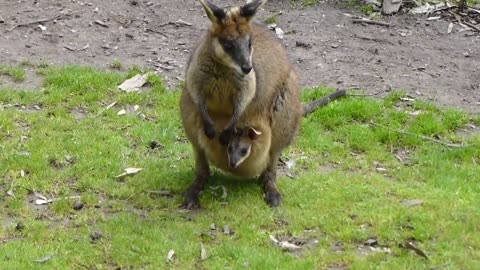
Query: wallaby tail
point(312, 106)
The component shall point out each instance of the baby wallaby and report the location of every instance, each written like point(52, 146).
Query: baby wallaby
point(240, 145)
point(220, 74)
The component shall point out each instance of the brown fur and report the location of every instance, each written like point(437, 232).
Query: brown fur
point(275, 109)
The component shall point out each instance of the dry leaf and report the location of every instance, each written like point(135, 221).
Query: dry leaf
point(412, 203)
point(226, 230)
point(279, 32)
point(44, 259)
point(133, 84)
point(128, 172)
point(203, 252)
point(170, 255)
point(224, 190)
point(284, 245)
point(289, 165)
point(122, 112)
point(40, 196)
point(42, 201)
point(450, 28)
point(111, 105)
point(413, 113)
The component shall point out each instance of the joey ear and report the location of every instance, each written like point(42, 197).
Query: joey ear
point(253, 134)
point(249, 10)
point(214, 13)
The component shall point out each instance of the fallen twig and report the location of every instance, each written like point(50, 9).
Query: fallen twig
point(474, 10)
point(453, 145)
point(179, 22)
point(371, 39)
point(155, 31)
point(310, 107)
point(39, 21)
point(459, 19)
point(76, 50)
point(364, 20)
point(411, 246)
point(101, 23)
point(368, 49)
point(474, 27)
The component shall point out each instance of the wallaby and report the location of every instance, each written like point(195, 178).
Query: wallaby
point(240, 145)
point(239, 75)
point(225, 53)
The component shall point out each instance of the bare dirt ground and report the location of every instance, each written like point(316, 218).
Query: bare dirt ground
point(413, 54)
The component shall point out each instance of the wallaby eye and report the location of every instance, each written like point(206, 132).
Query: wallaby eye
point(244, 151)
point(227, 45)
point(229, 149)
point(250, 43)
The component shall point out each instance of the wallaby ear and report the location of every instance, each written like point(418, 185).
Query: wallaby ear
point(249, 10)
point(214, 13)
point(253, 134)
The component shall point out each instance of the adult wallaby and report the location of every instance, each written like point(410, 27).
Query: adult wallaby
point(239, 73)
point(225, 52)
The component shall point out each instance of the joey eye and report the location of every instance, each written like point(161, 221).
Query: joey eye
point(250, 43)
point(229, 149)
point(244, 151)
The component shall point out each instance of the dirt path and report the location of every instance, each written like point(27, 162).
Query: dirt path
point(415, 55)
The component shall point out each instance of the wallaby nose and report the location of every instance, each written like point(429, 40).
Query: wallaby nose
point(246, 68)
point(233, 164)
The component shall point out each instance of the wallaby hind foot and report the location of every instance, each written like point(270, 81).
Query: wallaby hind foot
point(202, 174)
point(271, 194)
point(192, 198)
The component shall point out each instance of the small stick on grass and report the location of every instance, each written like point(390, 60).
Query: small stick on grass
point(447, 144)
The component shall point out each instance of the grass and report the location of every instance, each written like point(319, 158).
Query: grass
point(16, 73)
point(74, 146)
point(116, 64)
point(271, 20)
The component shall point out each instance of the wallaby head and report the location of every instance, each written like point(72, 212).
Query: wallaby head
point(240, 145)
point(230, 34)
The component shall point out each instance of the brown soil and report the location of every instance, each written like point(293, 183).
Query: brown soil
point(414, 54)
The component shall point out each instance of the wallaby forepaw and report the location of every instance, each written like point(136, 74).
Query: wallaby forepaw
point(272, 198)
point(225, 136)
point(209, 131)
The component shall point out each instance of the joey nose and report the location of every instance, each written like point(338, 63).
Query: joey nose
point(233, 164)
point(246, 68)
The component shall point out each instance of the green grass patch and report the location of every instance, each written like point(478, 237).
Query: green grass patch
point(355, 176)
point(16, 73)
point(271, 20)
point(116, 64)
